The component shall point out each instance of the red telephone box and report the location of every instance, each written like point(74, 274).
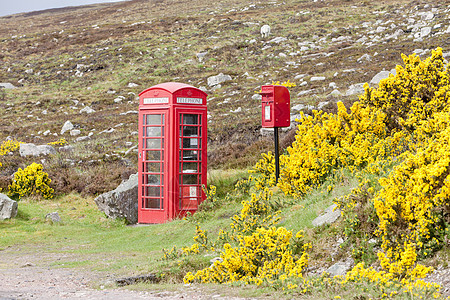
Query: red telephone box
point(276, 106)
point(172, 151)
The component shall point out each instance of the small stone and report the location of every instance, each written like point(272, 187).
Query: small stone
point(75, 132)
point(53, 217)
point(67, 127)
point(87, 110)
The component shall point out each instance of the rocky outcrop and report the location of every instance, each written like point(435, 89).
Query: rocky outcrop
point(121, 202)
point(8, 207)
point(33, 150)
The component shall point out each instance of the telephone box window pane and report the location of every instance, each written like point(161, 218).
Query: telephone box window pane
point(153, 143)
point(190, 119)
point(189, 155)
point(153, 167)
point(153, 120)
point(190, 167)
point(190, 131)
point(153, 191)
point(153, 131)
point(153, 179)
point(153, 203)
point(153, 155)
point(190, 179)
point(189, 143)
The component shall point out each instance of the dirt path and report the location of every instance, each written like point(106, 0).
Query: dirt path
point(30, 275)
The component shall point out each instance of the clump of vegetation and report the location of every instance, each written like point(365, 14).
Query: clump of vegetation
point(398, 152)
point(31, 181)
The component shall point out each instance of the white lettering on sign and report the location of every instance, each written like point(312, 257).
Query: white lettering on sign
point(267, 113)
point(156, 100)
point(190, 100)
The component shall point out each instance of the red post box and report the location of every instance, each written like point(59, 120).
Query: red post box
point(276, 106)
point(172, 151)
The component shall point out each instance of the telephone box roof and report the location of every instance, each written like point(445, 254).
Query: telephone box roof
point(172, 87)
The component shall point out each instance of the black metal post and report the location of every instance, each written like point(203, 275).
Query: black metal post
point(277, 154)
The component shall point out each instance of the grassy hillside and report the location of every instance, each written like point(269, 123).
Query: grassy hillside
point(383, 162)
point(63, 60)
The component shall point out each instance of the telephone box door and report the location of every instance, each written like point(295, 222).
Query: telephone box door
point(192, 159)
point(153, 130)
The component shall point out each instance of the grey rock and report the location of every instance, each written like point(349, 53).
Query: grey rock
point(340, 268)
point(6, 85)
point(256, 97)
point(82, 138)
point(322, 104)
point(87, 110)
point(218, 79)
point(33, 150)
point(426, 16)
point(53, 217)
point(357, 88)
point(335, 93)
point(278, 40)
point(8, 207)
point(201, 56)
point(300, 107)
point(121, 202)
point(66, 148)
point(67, 127)
point(132, 85)
point(213, 260)
point(364, 58)
point(328, 217)
point(425, 31)
point(378, 77)
point(317, 78)
point(75, 132)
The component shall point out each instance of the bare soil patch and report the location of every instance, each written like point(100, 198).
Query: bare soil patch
point(29, 274)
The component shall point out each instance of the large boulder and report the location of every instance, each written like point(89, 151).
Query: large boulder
point(8, 207)
point(33, 150)
point(121, 202)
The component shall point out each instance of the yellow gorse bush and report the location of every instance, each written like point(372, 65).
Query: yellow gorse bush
point(402, 123)
point(60, 142)
point(31, 181)
point(9, 146)
point(262, 257)
point(396, 141)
